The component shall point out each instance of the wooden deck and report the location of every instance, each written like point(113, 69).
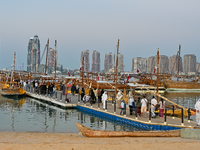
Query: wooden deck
point(170, 121)
point(75, 100)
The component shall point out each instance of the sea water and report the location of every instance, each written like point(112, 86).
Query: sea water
point(30, 115)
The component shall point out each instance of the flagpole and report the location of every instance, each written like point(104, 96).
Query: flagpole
point(157, 73)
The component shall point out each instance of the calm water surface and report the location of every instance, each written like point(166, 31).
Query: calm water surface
point(30, 115)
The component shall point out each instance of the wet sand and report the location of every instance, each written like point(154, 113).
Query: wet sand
point(69, 141)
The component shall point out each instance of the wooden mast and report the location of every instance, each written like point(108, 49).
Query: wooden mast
point(116, 67)
point(157, 73)
point(45, 71)
point(179, 51)
point(55, 55)
point(13, 69)
point(82, 69)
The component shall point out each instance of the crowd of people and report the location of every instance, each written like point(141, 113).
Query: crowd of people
point(138, 107)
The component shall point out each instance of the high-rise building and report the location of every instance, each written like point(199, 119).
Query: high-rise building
point(163, 64)
point(108, 61)
point(86, 55)
point(189, 63)
point(151, 62)
point(95, 61)
point(121, 62)
point(51, 60)
point(139, 63)
point(197, 67)
point(33, 55)
point(173, 64)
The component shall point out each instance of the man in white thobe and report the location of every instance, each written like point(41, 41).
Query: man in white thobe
point(153, 106)
point(197, 107)
point(104, 99)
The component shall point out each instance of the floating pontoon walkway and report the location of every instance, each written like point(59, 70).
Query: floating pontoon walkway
point(113, 112)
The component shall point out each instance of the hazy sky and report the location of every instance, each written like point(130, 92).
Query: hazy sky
point(142, 26)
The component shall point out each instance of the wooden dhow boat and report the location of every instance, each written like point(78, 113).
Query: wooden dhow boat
point(13, 92)
point(12, 89)
point(87, 132)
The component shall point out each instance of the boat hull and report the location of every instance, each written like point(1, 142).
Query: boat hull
point(16, 92)
point(87, 132)
point(181, 86)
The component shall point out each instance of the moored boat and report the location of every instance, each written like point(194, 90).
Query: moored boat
point(14, 92)
point(171, 85)
point(101, 133)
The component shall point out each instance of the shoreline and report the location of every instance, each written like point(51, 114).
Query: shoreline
point(43, 141)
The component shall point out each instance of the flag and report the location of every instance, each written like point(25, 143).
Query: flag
point(155, 68)
point(138, 70)
point(68, 73)
point(127, 78)
point(98, 77)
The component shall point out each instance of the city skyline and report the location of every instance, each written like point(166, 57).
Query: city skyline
point(188, 65)
point(141, 26)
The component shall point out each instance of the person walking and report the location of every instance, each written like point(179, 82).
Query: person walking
point(82, 93)
point(162, 107)
point(73, 89)
point(122, 107)
point(153, 106)
point(138, 106)
point(92, 96)
point(99, 95)
point(144, 107)
point(133, 106)
point(104, 99)
point(86, 98)
point(130, 103)
point(197, 107)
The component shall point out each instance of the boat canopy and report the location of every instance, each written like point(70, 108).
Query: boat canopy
point(73, 77)
point(46, 76)
point(137, 85)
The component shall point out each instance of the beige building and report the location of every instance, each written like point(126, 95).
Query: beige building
point(95, 61)
point(197, 67)
point(108, 61)
point(151, 64)
point(163, 63)
point(139, 63)
point(189, 63)
point(121, 62)
point(51, 60)
point(173, 64)
point(86, 55)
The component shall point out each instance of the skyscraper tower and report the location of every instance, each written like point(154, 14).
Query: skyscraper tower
point(173, 64)
point(139, 63)
point(151, 63)
point(51, 60)
point(95, 61)
point(121, 62)
point(189, 63)
point(108, 61)
point(33, 55)
point(86, 55)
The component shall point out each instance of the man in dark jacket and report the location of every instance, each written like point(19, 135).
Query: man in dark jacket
point(73, 89)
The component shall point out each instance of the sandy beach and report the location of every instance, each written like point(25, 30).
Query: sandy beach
point(69, 141)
